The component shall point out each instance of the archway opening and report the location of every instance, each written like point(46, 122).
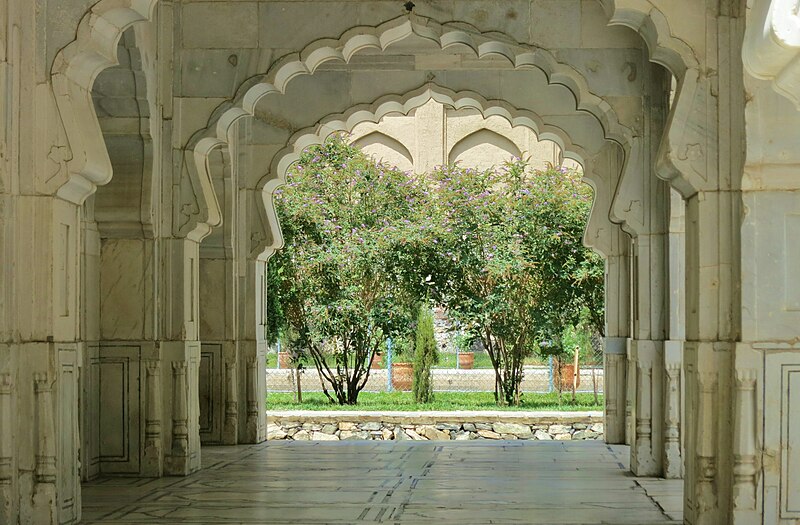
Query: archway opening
point(418, 129)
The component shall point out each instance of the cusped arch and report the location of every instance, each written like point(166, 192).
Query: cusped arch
point(400, 156)
point(653, 26)
point(479, 138)
point(219, 132)
point(345, 122)
point(74, 71)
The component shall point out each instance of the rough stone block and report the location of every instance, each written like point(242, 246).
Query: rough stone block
point(434, 434)
point(558, 429)
point(415, 436)
point(321, 436)
point(275, 432)
point(302, 435)
point(542, 435)
point(512, 428)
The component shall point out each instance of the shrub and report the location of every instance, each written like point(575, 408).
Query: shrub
point(425, 356)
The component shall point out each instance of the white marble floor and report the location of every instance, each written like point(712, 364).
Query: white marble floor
point(476, 482)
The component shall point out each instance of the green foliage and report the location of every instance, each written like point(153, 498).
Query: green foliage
point(501, 250)
point(334, 281)
point(579, 336)
point(425, 356)
point(365, 244)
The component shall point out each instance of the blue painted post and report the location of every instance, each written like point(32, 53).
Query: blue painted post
point(550, 386)
point(278, 356)
point(389, 364)
point(458, 349)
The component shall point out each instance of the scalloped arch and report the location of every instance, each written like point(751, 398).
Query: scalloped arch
point(652, 25)
point(306, 62)
point(74, 71)
point(345, 122)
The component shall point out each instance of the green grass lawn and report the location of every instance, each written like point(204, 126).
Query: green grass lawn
point(446, 360)
point(387, 401)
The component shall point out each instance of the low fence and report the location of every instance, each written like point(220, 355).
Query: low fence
point(536, 379)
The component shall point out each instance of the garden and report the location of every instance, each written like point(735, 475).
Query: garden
point(455, 289)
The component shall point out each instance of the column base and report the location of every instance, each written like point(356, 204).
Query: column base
point(647, 441)
point(615, 370)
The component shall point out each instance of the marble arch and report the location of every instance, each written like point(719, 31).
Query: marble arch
point(360, 39)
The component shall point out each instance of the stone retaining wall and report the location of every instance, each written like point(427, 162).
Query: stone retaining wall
point(437, 426)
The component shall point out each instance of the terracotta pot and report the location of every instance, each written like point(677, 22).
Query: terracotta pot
point(466, 360)
point(565, 375)
point(402, 376)
point(376, 363)
point(284, 359)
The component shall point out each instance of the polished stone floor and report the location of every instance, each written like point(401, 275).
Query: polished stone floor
point(458, 483)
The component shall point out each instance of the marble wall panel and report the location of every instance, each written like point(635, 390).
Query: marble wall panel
point(120, 409)
point(211, 387)
point(781, 436)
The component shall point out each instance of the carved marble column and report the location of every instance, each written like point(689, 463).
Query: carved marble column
point(745, 448)
point(152, 458)
point(178, 459)
point(673, 460)
point(6, 449)
point(614, 389)
point(44, 494)
point(230, 430)
point(646, 458)
point(252, 402)
point(706, 482)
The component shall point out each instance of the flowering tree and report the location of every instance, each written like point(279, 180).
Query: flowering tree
point(334, 283)
point(501, 249)
point(365, 243)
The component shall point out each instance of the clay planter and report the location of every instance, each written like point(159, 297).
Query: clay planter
point(402, 376)
point(565, 375)
point(466, 360)
point(284, 359)
point(376, 363)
